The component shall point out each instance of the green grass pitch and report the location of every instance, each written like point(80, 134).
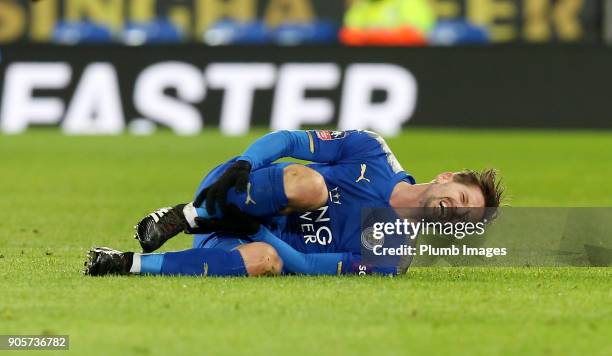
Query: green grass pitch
point(60, 195)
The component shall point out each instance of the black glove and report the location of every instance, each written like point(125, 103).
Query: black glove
point(237, 176)
point(234, 222)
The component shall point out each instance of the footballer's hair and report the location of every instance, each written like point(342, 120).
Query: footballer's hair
point(490, 186)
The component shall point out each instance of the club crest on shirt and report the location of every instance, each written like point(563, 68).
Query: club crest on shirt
point(327, 135)
point(368, 240)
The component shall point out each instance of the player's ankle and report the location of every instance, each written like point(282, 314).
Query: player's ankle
point(190, 214)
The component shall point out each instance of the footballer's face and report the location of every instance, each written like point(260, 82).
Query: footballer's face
point(446, 197)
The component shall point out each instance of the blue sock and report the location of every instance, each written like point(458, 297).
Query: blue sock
point(192, 262)
point(265, 195)
point(151, 263)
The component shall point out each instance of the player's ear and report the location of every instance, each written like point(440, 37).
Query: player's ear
point(444, 177)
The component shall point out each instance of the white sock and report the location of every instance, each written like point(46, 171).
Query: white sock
point(135, 263)
point(190, 213)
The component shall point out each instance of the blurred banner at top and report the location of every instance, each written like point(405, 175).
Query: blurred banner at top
point(294, 22)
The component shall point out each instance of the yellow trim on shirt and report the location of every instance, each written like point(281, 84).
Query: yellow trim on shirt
point(311, 141)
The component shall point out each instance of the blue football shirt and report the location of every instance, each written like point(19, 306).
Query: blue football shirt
point(360, 172)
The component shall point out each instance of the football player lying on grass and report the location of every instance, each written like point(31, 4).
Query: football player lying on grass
point(253, 217)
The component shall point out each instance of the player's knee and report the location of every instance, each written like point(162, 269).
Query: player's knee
point(261, 259)
point(305, 188)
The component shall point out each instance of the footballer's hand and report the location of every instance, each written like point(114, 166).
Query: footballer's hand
point(236, 176)
point(233, 222)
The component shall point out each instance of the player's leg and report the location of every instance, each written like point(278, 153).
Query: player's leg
point(305, 188)
point(278, 188)
point(164, 223)
point(252, 259)
point(260, 259)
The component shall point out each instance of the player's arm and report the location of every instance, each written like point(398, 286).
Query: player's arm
point(266, 149)
point(311, 145)
point(318, 263)
point(317, 146)
point(280, 144)
point(293, 260)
